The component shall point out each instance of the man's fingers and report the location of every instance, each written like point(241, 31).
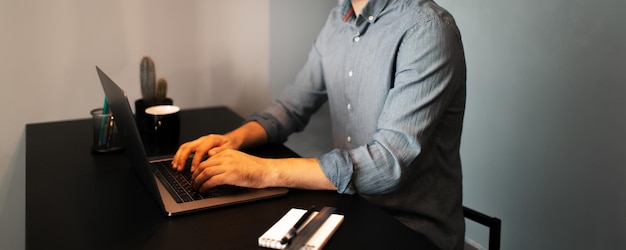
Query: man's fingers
point(197, 158)
point(180, 158)
point(206, 178)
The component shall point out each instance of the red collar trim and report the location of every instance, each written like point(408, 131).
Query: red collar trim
point(348, 14)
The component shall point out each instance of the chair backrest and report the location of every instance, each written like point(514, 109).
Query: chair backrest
point(494, 224)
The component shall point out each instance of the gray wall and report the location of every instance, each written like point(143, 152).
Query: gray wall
point(294, 24)
point(543, 143)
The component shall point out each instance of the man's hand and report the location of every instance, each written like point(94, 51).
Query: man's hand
point(248, 135)
point(227, 165)
point(233, 167)
point(206, 145)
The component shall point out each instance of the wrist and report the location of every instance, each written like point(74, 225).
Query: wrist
point(248, 135)
point(234, 140)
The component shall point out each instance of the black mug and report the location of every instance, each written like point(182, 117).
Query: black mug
point(162, 128)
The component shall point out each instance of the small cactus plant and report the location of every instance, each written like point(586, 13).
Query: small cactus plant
point(152, 91)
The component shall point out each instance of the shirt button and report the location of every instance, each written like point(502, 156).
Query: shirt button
point(349, 106)
point(356, 39)
point(349, 139)
point(350, 73)
point(370, 18)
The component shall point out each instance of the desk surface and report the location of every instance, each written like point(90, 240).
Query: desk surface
point(79, 200)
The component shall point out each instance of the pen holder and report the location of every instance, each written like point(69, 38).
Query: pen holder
point(106, 137)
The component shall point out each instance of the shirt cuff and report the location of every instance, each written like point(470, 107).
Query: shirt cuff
point(271, 126)
point(334, 167)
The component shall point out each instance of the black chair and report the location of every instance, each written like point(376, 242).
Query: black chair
point(494, 224)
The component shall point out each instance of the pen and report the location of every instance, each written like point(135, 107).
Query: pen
point(105, 110)
point(294, 230)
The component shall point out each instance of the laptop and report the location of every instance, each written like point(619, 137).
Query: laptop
point(166, 186)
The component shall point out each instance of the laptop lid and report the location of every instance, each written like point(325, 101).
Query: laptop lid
point(136, 154)
point(124, 118)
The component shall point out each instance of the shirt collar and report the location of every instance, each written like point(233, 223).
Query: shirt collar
point(370, 11)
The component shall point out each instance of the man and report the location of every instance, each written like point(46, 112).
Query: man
point(393, 73)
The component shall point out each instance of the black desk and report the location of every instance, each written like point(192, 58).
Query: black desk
point(79, 200)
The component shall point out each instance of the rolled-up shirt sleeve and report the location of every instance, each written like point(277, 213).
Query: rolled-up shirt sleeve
point(293, 108)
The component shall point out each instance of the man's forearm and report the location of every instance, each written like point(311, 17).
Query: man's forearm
point(304, 173)
point(248, 135)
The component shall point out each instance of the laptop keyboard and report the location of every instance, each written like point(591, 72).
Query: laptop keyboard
point(178, 184)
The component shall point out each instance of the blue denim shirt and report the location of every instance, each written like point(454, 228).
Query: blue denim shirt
point(394, 77)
